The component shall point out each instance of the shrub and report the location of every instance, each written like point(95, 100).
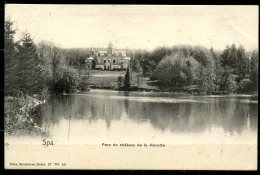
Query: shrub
point(120, 82)
point(67, 81)
point(176, 71)
point(83, 85)
point(245, 86)
point(19, 116)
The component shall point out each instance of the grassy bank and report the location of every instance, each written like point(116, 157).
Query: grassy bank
point(20, 115)
point(103, 82)
point(109, 80)
point(105, 79)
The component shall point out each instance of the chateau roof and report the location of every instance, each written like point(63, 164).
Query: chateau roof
point(127, 58)
point(89, 58)
point(113, 56)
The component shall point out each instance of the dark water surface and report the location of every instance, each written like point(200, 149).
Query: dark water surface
point(139, 117)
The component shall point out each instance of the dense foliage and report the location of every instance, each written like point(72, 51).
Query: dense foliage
point(177, 71)
point(75, 57)
point(32, 68)
point(35, 69)
point(201, 70)
point(23, 70)
point(32, 71)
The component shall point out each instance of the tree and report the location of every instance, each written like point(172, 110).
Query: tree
point(59, 76)
point(93, 63)
point(142, 56)
point(210, 80)
point(237, 60)
point(201, 55)
point(253, 75)
point(136, 72)
point(229, 56)
point(176, 71)
point(29, 67)
point(210, 74)
point(11, 78)
point(52, 58)
point(68, 81)
point(227, 84)
point(217, 69)
point(241, 64)
point(165, 72)
point(127, 83)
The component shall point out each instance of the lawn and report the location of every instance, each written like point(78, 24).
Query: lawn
point(109, 80)
point(105, 79)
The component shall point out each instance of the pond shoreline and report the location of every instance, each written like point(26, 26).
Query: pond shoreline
point(95, 115)
point(20, 113)
point(168, 92)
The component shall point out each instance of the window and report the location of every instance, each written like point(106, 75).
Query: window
point(114, 61)
point(104, 61)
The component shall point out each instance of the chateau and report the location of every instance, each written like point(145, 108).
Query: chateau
point(109, 59)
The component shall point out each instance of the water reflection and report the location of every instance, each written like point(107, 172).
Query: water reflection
point(124, 110)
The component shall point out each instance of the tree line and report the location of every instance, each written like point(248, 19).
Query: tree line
point(197, 69)
point(38, 68)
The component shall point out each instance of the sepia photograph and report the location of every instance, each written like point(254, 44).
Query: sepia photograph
point(131, 87)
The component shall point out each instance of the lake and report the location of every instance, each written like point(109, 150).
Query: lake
point(102, 116)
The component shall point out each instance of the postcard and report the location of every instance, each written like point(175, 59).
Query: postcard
point(131, 87)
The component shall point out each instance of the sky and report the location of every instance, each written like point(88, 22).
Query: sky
point(137, 26)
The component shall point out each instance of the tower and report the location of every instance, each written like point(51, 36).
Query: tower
point(110, 49)
point(92, 52)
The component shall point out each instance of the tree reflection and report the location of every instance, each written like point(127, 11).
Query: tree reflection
point(230, 114)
